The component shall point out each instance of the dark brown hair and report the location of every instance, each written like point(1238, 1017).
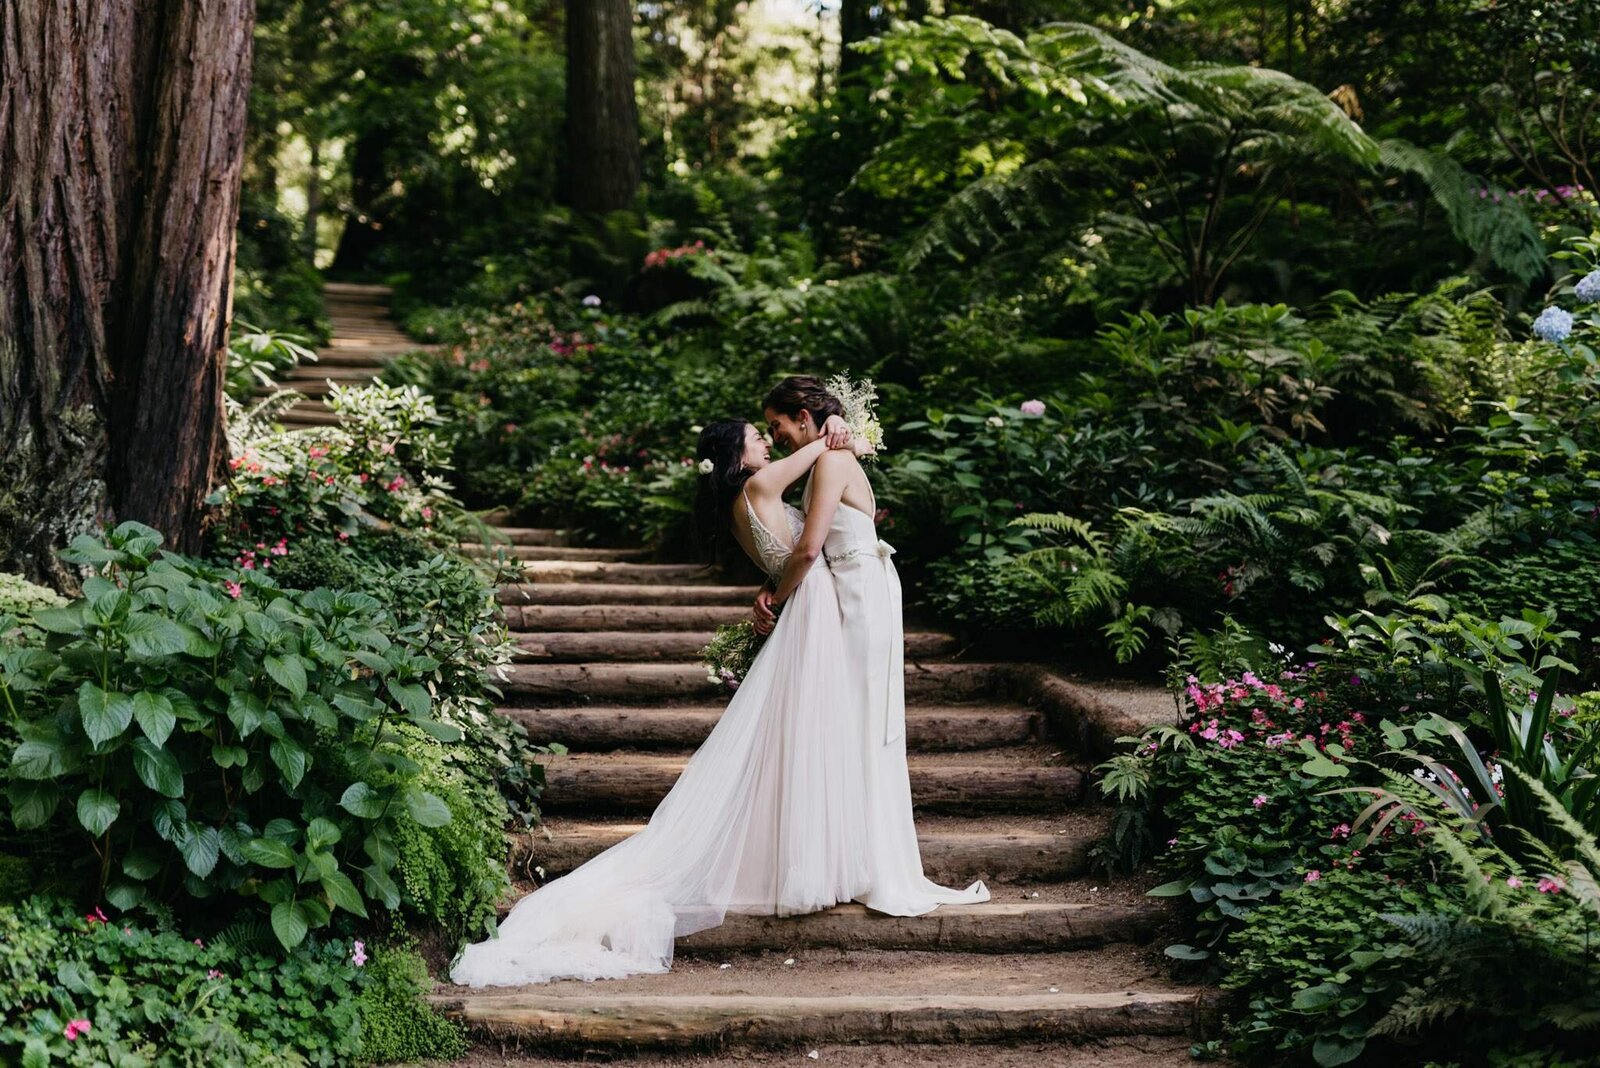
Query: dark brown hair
point(722, 443)
point(803, 393)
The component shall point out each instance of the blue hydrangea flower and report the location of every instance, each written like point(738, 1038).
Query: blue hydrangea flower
point(1553, 324)
point(1588, 288)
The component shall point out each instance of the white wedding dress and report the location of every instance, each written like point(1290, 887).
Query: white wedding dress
point(788, 807)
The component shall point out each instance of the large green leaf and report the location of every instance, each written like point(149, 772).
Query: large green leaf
point(291, 759)
point(343, 893)
point(155, 716)
point(427, 809)
point(269, 853)
point(151, 637)
point(288, 672)
point(246, 712)
point(289, 924)
point(200, 846)
point(362, 800)
point(157, 768)
point(97, 811)
point(411, 697)
point(32, 803)
point(105, 715)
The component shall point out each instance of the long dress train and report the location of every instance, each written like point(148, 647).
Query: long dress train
point(767, 818)
point(868, 589)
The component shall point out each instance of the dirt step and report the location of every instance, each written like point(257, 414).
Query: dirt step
point(311, 387)
point(625, 593)
point(583, 647)
point(601, 727)
point(647, 683)
point(343, 357)
point(1006, 780)
point(852, 996)
point(562, 553)
point(999, 848)
point(568, 571)
point(1135, 1051)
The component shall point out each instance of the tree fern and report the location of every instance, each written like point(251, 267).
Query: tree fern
point(1485, 218)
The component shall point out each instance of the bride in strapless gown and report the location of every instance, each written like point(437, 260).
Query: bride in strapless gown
point(791, 805)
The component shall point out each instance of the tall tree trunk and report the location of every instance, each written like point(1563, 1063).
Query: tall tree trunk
point(308, 239)
point(369, 184)
point(855, 24)
point(121, 142)
point(602, 112)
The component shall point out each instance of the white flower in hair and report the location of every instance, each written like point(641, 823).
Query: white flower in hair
point(706, 466)
point(856, 399)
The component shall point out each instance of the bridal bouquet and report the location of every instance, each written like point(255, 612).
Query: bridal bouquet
point(731, 652)
point(856, 398)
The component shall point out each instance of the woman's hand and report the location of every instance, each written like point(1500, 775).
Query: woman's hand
point(836, 432)
point(862, 447)
point(763, 616)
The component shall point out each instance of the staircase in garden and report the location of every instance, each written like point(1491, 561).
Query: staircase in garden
point(999, 754)
point(364, 339)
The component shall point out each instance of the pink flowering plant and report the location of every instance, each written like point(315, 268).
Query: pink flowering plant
point(381, 468)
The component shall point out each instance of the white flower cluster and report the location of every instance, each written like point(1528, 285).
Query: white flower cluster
point(857, 400)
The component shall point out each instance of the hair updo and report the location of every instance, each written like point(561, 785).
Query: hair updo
point(803, 393)
point(723, 443)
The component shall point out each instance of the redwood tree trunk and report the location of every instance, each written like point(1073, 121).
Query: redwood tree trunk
point(121, 143)
point(602, 112)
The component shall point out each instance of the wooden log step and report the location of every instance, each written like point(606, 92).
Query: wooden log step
point(369, 291)
point(644, 683)
point(1009, 848)
point(529, 535)
point(830, 997)
point(355, 360)
point(315, 372)
point(567, 571)
point(624, 593)
point(302, 415)
point(928, 727)
point(988, 780)
point(584, 647)
point(562, 553)
point(630, 617)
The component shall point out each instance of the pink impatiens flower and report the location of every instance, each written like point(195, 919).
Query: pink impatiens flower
point(1259, 800)
point(1313, 876)
point(1513, 882)
point(1547, 885)
point(358, 953)
point(75, 1028)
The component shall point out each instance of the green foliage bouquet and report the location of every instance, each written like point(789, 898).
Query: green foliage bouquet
point(731, 652)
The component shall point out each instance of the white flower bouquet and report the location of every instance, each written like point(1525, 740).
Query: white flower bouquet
point(859, 414)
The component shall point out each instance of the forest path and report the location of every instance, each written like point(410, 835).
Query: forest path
point(364, 339)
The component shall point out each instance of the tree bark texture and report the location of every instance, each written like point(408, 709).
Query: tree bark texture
point(121, 145)
point(602, 111)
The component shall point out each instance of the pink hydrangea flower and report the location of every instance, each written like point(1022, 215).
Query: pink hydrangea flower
point(1033, 409)
point(1313, 876)
point(1547, 885)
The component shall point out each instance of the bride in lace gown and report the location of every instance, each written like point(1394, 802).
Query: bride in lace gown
point(772, 815)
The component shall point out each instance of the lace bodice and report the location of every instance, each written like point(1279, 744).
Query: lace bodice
point(774, 551)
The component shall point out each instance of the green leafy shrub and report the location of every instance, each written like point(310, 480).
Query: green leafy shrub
point(188, 735)
point(81, 990)
point(396, 1024)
